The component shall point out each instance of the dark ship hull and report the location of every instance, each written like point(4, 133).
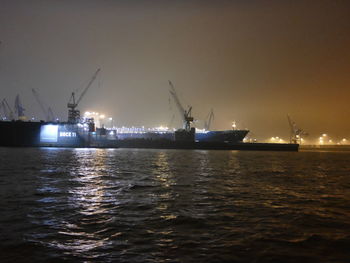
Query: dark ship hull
point(35, 134)
point(25, 133)
point(42, 134)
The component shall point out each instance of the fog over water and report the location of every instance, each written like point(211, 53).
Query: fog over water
point(253, 62)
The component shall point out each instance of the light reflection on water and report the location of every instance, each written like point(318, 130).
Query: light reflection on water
point(86, 195)
point(176, 206)
point(163, 173)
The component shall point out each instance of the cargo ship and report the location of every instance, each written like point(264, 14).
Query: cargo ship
point(65, 134)
point(81, 132)
point(84, 135)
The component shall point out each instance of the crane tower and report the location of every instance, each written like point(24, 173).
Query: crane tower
point(295, 132)
point(73, 113)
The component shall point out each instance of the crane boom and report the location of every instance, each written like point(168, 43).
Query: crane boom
point(7, 109)
point(291, 124)
point(2, 112)
point(41, 104)
point(73, 113)
point(185, 115)
point(50, 115)
point(4, 109)
point(88, 86)
point(46, 110)
point(209, 120)
point(177, 101)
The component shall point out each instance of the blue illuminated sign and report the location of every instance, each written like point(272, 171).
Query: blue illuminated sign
point(68, 134)
point(49, 133)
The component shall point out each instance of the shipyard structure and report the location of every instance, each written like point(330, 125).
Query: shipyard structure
point(82, 132)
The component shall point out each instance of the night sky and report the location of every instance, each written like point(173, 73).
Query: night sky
point(251, 61)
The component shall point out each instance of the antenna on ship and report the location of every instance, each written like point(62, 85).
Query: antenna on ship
point(73, 113)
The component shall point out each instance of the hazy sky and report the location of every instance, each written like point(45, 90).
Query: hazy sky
point(252, 61)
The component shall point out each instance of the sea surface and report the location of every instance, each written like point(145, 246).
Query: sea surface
point(133, 205)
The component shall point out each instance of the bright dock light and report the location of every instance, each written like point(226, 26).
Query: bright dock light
point(234, 125)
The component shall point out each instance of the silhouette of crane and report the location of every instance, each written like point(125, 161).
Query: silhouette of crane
point(185, 114)
point(73, 113)
point(209, 120)
point(47, 111)
point(295, 132)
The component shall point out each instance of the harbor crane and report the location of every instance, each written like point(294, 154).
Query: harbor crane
point(2, 112)
point(47, 111)
point(73, 113)
point(295, 132)
point(209, 120)
point(19, 109)
point(7, 110)
point(185, 114)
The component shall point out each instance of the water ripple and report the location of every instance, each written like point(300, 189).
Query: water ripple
point(98, 205)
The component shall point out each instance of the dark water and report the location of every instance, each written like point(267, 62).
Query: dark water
point(100, 205)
